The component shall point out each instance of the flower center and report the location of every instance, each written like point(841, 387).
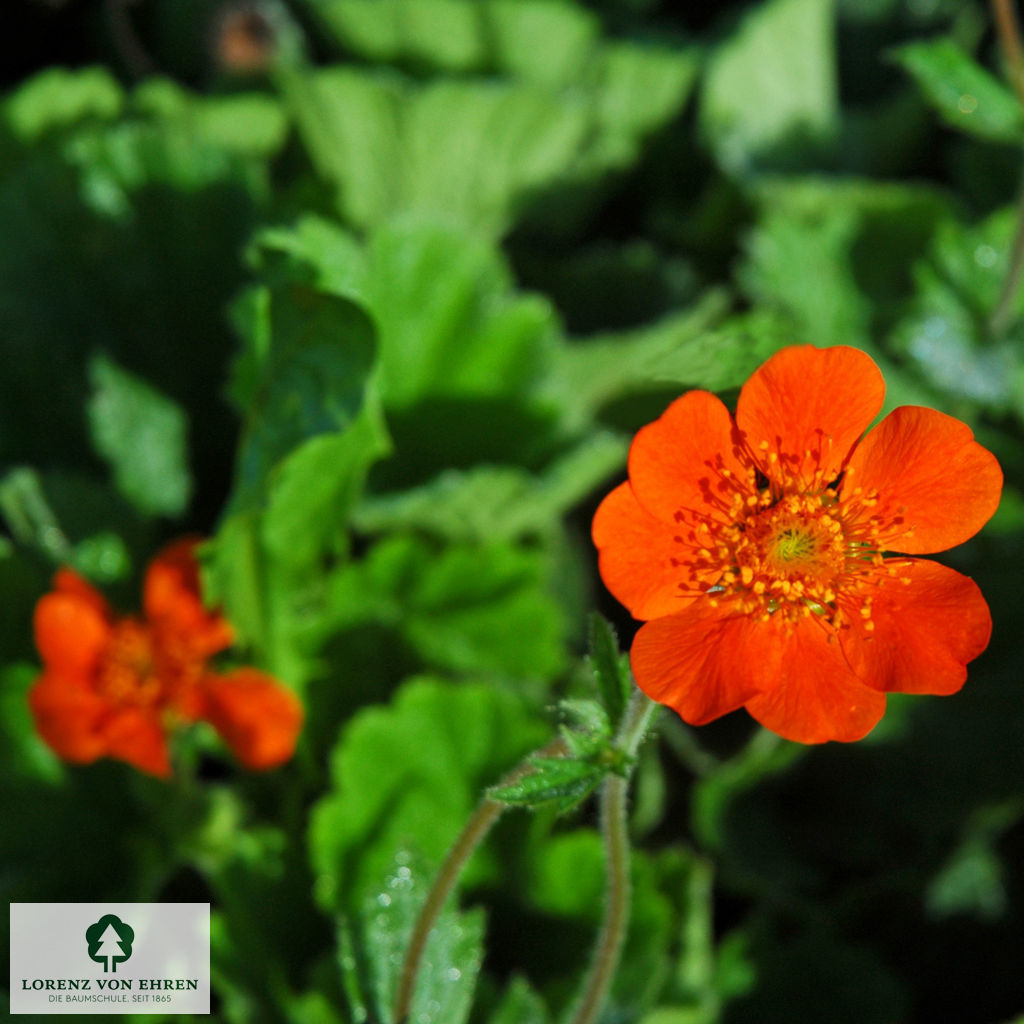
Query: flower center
point(127, 673)
point(785, 551)
point(142, 668)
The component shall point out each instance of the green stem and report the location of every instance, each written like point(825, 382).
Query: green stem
point(1009, 38)
point(486, 814)
point(1000, 319)
point(615, 829)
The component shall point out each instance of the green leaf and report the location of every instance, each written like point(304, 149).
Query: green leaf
point(58, 98)
point(769, 96)
point(610, 667)
point(946, 332)
point(963, 93)
point(532, 39)
point(451, 959)
point(496, 503)
point(973, 879)
point(450, 322)
point(373, 137)
point(561, 781)
point(121, 236)
point(142, 436)
point(467, 609)
point(25, 754)
point(832, 257)
point(314, 489)
point(520, 1004)
point(463, 356)
point(694, 348)
point(313, 429)
point(304, 373)
point(250, 124)
point(48, 513)
point(405, 778)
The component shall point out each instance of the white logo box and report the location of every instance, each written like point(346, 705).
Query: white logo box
point(110, 958)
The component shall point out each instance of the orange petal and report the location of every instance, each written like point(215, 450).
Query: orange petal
point(68, 717)
point(258, 718)
point(68, 581)
point(71, 632)
point(703, 662)
point(925, 630)
point(816, 696)
point(639, 558)
point(135, 736)
point(676, 462)
point(936, 485)
point(171, 599)
point(812, 404)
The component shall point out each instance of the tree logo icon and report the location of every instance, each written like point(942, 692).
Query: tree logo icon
point(110, 941)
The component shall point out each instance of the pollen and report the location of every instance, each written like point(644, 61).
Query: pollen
point(788, 547)
point(141, 668)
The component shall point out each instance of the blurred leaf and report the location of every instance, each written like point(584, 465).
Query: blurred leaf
point(451, 959)
point(406, 777)
point(450, 321)
point(304, 373)
point(964, 94)
point(26, 755)
point(533, 39)
point(695, 348)
point(58, 98)
point(312, 430)
point(496, 502)
point(315, 488)
point(142, 436)
point(249, 124)
point(463, 356)
point(973, 880)
point(373, 136)
point(947, 332)
point(40, 513)
point(836, 258)
point(479, 609)
point(520, 1005)
point(121, 236)
point(770, 93)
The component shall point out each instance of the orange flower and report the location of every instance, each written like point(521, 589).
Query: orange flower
point(756, 549)
point(116, 686)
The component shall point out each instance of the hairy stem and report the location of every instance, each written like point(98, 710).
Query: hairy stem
point(1009, 40)
point(1008, 30)
point(615, 829)
point(486, 814)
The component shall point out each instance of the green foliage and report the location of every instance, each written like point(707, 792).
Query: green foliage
point(141, 434)
point(406, 777)
point(610, 668)
point(770, 89)
point(373, 294)
point(558, 105)
point(963, 93)
point(451, 959)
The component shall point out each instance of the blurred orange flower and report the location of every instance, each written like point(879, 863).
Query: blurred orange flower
point(116, 686)
point(756, 548)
